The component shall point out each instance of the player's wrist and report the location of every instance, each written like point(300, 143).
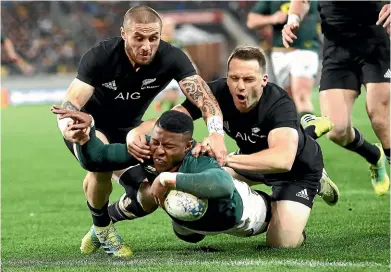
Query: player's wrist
point(293, 19)
point(215, 125)
point(168, 179)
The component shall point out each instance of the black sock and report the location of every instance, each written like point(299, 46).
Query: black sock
point(367, 150)
point(100, 217)
point(387, 152)
point(310, 130)
point(115, 213)
point(127, 208)
point(301, 114)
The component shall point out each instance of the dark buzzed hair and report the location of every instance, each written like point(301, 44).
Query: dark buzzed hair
point(176, 122)
point(247, 52)
point(142, 15)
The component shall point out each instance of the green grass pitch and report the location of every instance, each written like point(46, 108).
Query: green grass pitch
point(44, 214)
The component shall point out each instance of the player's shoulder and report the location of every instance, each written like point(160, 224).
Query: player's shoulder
point(218, 86)
point(107, 50)
point(193, 164)
point(274, 97)
point(168, 51)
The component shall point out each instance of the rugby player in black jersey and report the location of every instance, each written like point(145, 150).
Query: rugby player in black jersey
point(116, 81)
point(274, 148)
point(356, 52)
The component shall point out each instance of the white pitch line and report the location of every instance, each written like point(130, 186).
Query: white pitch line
point(161, 261)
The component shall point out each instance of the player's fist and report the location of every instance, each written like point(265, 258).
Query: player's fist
point(385, 17)
point(288, 34)
point(137, 145)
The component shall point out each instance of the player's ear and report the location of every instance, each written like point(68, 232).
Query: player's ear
point(265, 78)
point(123, 33)
point(189, 145)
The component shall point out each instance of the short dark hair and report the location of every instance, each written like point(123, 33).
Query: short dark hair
point(247, 52)
point(142, 15)
point(176, 122)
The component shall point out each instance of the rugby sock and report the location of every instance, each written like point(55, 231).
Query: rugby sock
point(310, 130)
point(387, 152)
point(367, 150)
point(126, 209)
point(100, 217)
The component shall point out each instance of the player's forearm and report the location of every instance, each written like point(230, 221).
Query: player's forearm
point(268, 161)
point(145, 127)
point(255, 21)
point(95, 156)
point(209, 184)
point(199, 93)
point(77, 95)
point(9, 47)
point(299, 8)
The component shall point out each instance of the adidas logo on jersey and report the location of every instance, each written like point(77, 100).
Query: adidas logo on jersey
point(110, 85)
point(388, 74)
point(303, 194)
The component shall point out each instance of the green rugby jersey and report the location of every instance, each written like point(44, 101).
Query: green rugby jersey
point(201, 177)
point(307, 35)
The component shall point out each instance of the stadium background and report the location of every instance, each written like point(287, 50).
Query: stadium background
point(44, 214)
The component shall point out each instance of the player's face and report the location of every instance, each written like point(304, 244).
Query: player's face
point(246, 81)
point(168, 149)
point(141, 41)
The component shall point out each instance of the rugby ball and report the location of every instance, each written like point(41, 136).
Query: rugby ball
point(184, 206)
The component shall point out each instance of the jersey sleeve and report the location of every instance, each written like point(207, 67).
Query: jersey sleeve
point(193, 109)
point(202, 177)
point(95, 156)
point(262, 7)
point(284, 114)
point(182, 67)
point(90, 67)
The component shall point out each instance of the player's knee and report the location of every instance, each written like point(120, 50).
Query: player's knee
point(339, 134)
point(96, 178)
point(285, 241)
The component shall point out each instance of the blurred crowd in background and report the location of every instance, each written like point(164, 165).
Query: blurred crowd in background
point(50, 37)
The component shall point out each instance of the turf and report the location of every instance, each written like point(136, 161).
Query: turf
point(44, 214)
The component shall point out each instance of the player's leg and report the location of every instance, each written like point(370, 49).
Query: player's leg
point(303, 71)
point(186, 235)
point(375, 66)
point(339, 88)
point(136, 202)
point(97, 188)
point(291, 208)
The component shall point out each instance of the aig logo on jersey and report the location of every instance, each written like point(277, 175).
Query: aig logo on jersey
point(146, 84)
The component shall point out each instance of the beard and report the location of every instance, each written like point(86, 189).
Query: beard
point(133, 56)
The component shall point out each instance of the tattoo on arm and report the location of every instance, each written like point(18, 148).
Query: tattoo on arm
point(201, 95)
point(69, 106)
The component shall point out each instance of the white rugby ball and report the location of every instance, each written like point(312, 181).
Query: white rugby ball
point(184, 206)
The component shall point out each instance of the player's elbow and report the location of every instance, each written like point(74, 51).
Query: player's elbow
point(250, 21)
point(286, 161)
point(91, 166)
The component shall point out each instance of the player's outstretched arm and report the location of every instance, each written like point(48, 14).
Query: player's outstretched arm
point(93, 154)
point(199, 93)
point(278, 158)
point(209, 184)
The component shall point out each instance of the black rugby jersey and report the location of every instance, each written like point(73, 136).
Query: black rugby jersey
point(344, 20)
point(250, 130)
point(121, 94)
